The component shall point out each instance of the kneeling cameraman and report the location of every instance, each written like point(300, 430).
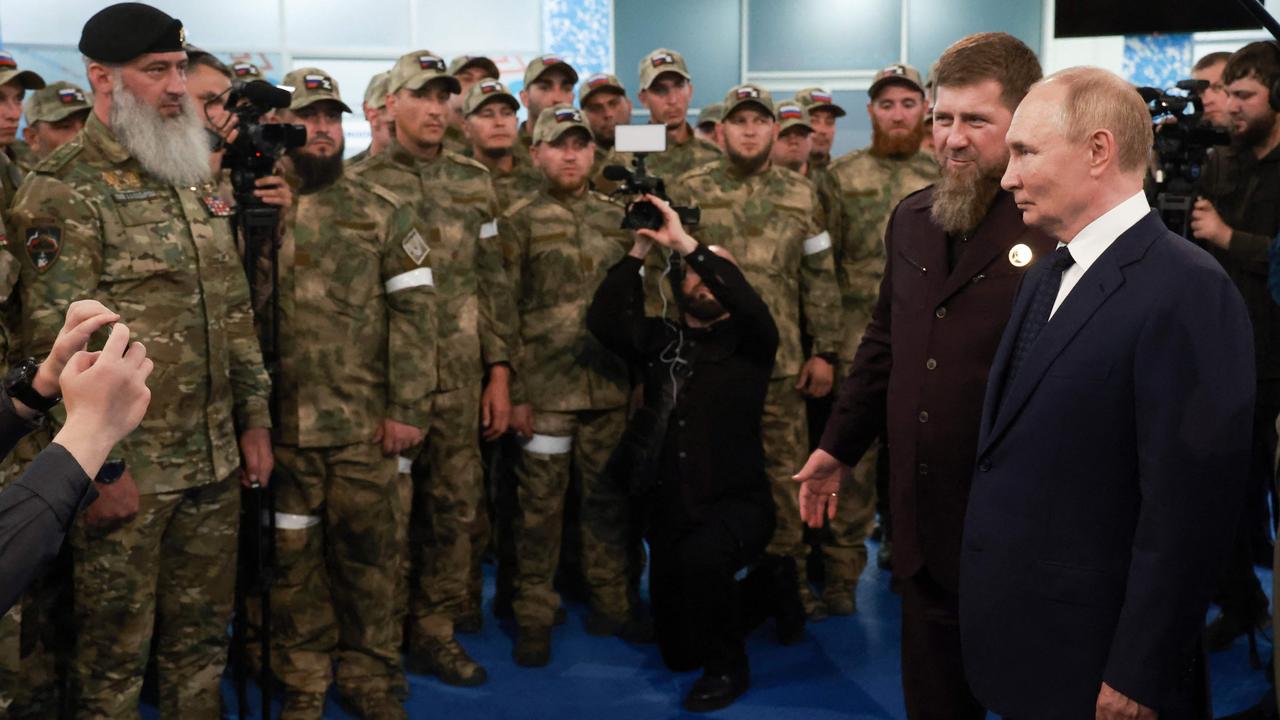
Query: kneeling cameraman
point(695, 450)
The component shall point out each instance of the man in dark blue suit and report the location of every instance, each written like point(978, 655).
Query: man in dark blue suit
point(1115, 429)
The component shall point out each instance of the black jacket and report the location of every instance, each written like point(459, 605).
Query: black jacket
point(712, 449)
point(37, 510)
point(1246, 192)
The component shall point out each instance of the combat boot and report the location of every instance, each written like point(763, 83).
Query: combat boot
point(839, 601)
point(302, 706)
point(445, 659)
point(533, 647)
point(470, 621)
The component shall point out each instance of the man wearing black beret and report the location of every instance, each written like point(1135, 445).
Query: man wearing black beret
point(126, 213)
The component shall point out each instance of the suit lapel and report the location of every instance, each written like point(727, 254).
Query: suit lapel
point(1004, 353)
point(1003, 221)
point(1101, 281)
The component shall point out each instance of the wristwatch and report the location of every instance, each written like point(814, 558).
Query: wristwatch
point(110, 472)
point(18, 384)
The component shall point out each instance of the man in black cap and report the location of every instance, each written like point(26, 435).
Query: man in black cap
point(126, 213)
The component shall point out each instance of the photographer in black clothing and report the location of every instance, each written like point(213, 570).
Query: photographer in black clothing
point(711, 510)
point(1235, 220)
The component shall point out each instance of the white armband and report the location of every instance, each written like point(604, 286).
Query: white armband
point(817, 243)
point(549, 444)
point(421, 277)
point(489, 229)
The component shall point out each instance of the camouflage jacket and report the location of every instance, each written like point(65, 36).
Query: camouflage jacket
point(91, 223)
point(864, 189)
point(455, 140)
point(357, 317)
point(680, 159)
point(605, 157)
point(457, 209)
point(523, 180)
point(556, 251)
point(357, 157)
point(772, 223)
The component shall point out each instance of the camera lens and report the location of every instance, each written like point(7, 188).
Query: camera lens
point(644, 215)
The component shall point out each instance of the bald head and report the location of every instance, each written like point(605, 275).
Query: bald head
point(1094, 99)
point(1078, 147)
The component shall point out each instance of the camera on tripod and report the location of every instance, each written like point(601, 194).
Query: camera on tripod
point(257, 145)
point(1182, 148)
point(640, 140)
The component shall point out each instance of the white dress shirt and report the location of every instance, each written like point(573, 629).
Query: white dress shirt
point(1089, 244)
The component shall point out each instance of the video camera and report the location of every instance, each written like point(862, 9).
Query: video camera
point(257, 145)
point(1182, 148)
point(641, 140)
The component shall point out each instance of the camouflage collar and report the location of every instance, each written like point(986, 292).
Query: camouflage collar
point(97, 133)
point(731, 170)
point(573, 202)
point(400, 154)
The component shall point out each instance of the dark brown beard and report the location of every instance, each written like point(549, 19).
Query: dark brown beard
point(749, 165)
point(316, 173)
point(1256, 133)
point(884, 144)
point(961, 200)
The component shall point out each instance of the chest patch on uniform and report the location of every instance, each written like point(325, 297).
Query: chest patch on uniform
point(131, 195)
point(416, 247)
point(43, 246)
point(216, 206)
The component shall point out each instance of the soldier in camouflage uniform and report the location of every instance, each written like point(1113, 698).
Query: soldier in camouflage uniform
point(54, 113)
point(770, 218)
point(865, 186)
point(14, 83)
point(556, 247)
point(489, 122)
point(355, 276)
point(605, 103)
point(666, 89)
point(454, 199)
point(823, 113)
point(375, 111)
point(155, 553)
point(548, 81)
point(707, 127)
point(469, 70)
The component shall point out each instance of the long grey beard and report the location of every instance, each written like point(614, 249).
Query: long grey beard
point(961, 201)
point(176, 149)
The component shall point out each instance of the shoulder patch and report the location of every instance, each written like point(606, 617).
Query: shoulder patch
point(58, 159)
point(43, 245)
point(415, 247)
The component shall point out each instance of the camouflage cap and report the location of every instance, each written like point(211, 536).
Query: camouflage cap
point(9, 72)
point(416, 69)
point(310, 86)
point(898, 74)
point(56, 101)
point(542, 63)
point(246, 72)
point(748, 94)
point(816, 98)
point(557, 120)
point(462, 62)
point(792, 114)
point(710, 114)
point(662, 61)
point(375, 93)
point(486, 91)
point(598, 82)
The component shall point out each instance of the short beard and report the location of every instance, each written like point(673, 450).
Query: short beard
point(749, 165)
point(961, 199)
point(315, 172)
point(495, 153)
point(175, 149)
point(1255, 134)
point(704, 309)
point(888, 145)
point(567, 188)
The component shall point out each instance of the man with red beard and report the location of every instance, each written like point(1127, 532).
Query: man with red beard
point(955, 253)
point(863, 189)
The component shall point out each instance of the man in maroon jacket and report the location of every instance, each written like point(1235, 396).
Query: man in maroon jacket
point(956, 254)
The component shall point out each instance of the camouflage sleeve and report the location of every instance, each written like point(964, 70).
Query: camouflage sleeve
point(411, 320)
point(819, 294)
point(498, 339)
point(59, 235)
point(513, 241)
point(250, 383)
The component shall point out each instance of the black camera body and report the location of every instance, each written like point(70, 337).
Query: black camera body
point(1182, 149)
point(642, 214)
point(257, 146)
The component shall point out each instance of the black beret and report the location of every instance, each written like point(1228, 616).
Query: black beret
point(122, 32)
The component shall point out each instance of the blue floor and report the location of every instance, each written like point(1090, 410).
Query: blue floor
point(846, 668)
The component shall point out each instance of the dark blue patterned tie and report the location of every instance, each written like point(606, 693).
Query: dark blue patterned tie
point(1038, 314)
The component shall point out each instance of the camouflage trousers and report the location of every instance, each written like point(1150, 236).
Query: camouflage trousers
point(340, 539)
point(564, 441)
point(785, 436)
point(844, 540)
point(448, 484)
point(169, 572)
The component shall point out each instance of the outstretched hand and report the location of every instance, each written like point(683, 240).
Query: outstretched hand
point(820, 480)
